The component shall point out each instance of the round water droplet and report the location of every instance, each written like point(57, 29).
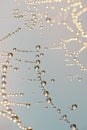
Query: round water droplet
point(64, 117)
point(10, 55)
point(38, 61)
point(48, 20)
point(74, 107)
point(3, 95)
point(41, 54)
point(48, 100)
point(37, 56)
point(46, 93)
point(73, 126)
point(14, 118)
point(3, 89)
point(3, 83)
point(36, 67)
point(79, 79)
point(4, 67)
point(52, 80)
point(5, 101)
point(9, 111)
point(14, 49)
point(59, 110)
point(29, 128)
point(38, 47)
point(3, 77)
point(28, 105)
point(43, 83)
point(43, 72)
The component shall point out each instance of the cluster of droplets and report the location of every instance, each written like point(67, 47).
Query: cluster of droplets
point(46, 93)
point(6, 103)
point(10, 34)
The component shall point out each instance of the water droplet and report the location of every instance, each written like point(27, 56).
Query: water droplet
point(38, 61)
point(43, 83)
point(43, 72)
point(37, 56)
point(29, 128)
point(41, 54)
point(14, 49)
point(79, 79)
point(10, 55)
point(64, 117)
point(3, 83)
point(14, 118)
point(36, 67)
point(3, 95)
point(48, 100)
point(38, 47)
point(52, 80)
point(46, 93)
point(73, 126)
point(3, 77)
point(48, 20)
point(28, 105)
point(59, 110)
point(74, 107)
point(9, 111)
point(4, 67)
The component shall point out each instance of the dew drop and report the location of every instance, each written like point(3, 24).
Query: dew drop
point(38, 47)
point(38, 61)
point(14, 118)
point(48, 100)
point(74, 107)
point(73, 126)
point(43, 83)
point(46, 93)
point(10, 55)
point(36, 67)
point(14, 49)
point(52, 80)
point(4, 67)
